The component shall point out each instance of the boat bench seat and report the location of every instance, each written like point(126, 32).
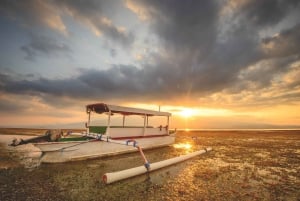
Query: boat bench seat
point(97, 129)
point(102, 129)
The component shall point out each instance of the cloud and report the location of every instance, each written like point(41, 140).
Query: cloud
point(181, 25)
point(207, 49)
point(262, 73)
point(113, 52)
point(40, 44)
point(7, 105)
point(35, 13)
point(189, 35)
point(91, 14)
point(118, 82)
point(258, 86)
point(263, 13)
point(203, 52)
point(277, 54)
point(283, 44)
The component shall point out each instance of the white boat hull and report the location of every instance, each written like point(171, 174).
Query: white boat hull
point(58, 152)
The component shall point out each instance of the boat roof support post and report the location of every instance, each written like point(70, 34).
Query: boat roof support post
point(108, 124)
point(123, 121)
point(144, 130)
point(89, 122)
point(168, 122)
point(147, 121)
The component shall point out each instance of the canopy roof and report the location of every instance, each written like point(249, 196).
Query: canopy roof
point(102, 108)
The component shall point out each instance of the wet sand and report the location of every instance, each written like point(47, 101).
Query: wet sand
point(244, 165)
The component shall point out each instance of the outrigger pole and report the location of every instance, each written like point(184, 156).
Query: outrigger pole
point(124, 174)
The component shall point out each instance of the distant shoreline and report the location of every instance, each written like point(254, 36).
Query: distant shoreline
point(41, 131)
point(238, 129)
point(179, 129)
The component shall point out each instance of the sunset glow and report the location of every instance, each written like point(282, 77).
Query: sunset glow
point(186, 113)
point(214, 64)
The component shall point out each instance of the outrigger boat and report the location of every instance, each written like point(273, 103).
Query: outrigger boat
point(100, 141)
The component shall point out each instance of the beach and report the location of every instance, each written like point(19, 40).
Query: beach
point(244, 165)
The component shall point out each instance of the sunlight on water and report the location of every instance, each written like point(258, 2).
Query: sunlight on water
point(182, 146)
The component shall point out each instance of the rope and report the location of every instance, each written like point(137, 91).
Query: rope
point(61, 149)
point(99, 137)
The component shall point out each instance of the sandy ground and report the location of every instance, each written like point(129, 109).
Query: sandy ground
point(244, 165)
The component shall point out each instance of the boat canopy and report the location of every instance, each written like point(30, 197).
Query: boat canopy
point(103, 108)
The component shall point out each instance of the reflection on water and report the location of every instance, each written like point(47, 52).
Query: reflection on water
point(182, 146)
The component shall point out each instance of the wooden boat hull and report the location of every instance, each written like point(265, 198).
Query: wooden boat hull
point(58, 152)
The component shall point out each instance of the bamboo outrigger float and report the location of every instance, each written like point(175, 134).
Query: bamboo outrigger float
point(112, 177)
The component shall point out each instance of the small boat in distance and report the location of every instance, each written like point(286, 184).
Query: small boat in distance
point(105, 140)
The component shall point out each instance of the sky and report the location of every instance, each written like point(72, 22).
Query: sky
point(223, 64)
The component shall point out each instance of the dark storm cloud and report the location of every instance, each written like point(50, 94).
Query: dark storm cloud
point(117, 82)
point(207, 59)
point(24, 11)
point(279, 52)
point(67, 87)
point(263, 73)
point(50, 14)
point(45, 45)
point(93, 12)
point(198, 57)
point(185, 25)
point(4, 78)
point(266, 12)
point(283, 44)
point(189, 33)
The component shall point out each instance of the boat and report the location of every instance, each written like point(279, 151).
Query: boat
point(101, 141)
point(108, 139)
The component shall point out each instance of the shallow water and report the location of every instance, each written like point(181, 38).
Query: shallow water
point(244, 165)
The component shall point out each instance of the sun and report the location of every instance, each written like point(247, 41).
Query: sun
point(187, 113)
